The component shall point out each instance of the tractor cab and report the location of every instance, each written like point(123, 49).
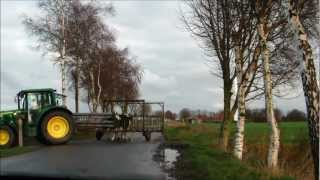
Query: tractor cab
point(37, 99)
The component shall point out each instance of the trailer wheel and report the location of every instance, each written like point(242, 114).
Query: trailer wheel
point(147, 136)
point(56, 128)
point(99, 134)
point(7, 137)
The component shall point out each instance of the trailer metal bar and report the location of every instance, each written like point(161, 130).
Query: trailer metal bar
point(138, 122)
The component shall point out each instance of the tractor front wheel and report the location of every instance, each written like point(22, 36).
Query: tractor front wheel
point(56, 128)
point(7, 137)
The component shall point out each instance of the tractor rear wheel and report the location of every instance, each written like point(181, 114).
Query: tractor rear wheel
point(7, 137)
point(56, 128)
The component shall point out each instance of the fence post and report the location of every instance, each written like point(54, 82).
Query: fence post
point(20, 132)
point(163, 117)
point(143, 114)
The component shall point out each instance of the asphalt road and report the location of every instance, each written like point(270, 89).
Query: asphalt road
point(90, 159)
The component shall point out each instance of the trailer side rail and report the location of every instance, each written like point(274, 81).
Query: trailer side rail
point(94, 120)
point(137, 123)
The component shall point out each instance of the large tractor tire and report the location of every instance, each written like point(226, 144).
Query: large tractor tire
point(8, 137)
point(56, 128)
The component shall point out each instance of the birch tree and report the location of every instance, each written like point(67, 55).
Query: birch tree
point(93, 68)
point(51, 32)
point(113, 75)
point(216, 25)
point(308, 72)
point(264, 10)
point(83, 25)
point(122, 82)
point(212, 22)
point(238, 147)
point(246, 58)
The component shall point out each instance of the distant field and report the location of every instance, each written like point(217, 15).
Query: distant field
point(290, 132)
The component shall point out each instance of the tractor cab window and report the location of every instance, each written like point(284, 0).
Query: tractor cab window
point(46, 99)
point(34, 101)
point(38, 100)
point(22, 100)
point(59, 100)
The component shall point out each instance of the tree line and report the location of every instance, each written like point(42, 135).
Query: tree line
point(260, 48)
point(85, 47)
point(259, 115)
point(252, 115)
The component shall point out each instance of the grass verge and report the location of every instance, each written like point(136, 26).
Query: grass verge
point(203, 160)
point(16, 151)
point(31, 144)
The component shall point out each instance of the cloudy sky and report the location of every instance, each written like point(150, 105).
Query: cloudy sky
point(175, 69)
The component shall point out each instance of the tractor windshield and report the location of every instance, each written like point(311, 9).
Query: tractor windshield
point(34, 100)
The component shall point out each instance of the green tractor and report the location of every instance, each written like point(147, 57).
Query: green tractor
point(43, 116)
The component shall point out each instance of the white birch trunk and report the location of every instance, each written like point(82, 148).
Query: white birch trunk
point(274, 145)
point(241, 92)
point(63, 82)
point(88, 102)
point(63, 51)
point(309, 82)
point(238, 147)
point(99, 86)
point(93, 94)
point(77, 85)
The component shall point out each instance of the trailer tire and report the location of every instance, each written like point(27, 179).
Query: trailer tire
point(8, 137)
point(56, 128)
point(147, 136)
point(99, 134)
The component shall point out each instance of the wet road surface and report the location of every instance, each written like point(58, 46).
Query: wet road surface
point(90, 159)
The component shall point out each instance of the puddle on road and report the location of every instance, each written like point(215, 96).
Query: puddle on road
point(167, 157)
point(170, 156)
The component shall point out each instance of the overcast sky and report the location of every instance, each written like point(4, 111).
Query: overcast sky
point(175, 69)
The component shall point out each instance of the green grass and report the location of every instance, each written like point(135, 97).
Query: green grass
point(16, 151)
point(290, 132)
point(204, 160)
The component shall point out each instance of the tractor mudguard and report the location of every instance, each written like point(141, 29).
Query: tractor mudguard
point(10, 123)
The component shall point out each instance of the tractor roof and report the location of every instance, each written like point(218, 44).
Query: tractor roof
point(36, 90)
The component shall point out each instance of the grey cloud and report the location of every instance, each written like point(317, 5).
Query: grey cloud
point(175, 70)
